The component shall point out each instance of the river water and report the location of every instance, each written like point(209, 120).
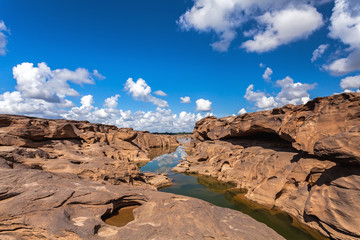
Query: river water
point(224, 195)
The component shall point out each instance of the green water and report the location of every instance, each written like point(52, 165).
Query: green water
point(225, 195)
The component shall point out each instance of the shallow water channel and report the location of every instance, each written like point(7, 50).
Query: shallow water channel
point(224, 195)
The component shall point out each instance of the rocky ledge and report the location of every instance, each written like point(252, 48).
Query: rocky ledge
point(63, 180)
point(94, 151)
point(304, 160)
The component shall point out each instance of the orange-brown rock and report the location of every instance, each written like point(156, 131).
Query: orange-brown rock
point(301, 159)
point(35, 204)
point(312, 128)
point(148, 140)
point(62, 179)
point(94, 151)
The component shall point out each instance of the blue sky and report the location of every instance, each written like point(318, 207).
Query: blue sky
point(209, 50)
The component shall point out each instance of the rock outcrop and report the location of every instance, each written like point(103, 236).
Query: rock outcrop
point(304, 160)
point(63, 179)
point(324, 127)
point(35, 204)
point(93, 151)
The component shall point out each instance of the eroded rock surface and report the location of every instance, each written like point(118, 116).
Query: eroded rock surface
point(35, 204)
point(304, 160)
point(60, 180)
point(93, 151)
point(324, 127)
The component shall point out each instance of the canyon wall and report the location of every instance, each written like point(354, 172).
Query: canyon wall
point(304, 160)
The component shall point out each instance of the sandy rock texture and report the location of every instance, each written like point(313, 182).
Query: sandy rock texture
point(92, 151)
point(304, 160)
point(35, 204)
point(62, 179)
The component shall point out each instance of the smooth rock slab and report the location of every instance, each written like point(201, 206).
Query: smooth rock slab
point(39, 205)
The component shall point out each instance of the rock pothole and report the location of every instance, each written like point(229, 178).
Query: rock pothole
point(121, 215)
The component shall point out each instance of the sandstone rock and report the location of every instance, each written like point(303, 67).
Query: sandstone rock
point(303, 160)
point(93, 151)
point(38, 205)
point(148, 140)
point(304, 126)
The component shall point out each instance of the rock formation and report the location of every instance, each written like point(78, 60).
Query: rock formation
point(93, 151)
point(62, 179)
point(304, 160)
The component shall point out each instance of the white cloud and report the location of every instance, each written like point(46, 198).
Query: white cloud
point(203, 105)
point(291, 93)
point(319, 52)
point(345, 26)
point(213, 15)
point(112, 102)
point(97, 75)
point(87, 101)
point(39, 105)
point(241, 111)
point(3, 38)
point(160, 93)
point(185, 99)
point(161, 120)
point(267, 74)
point(283, 27)
point(350, 83)
point(141, 90)
point(51, 85)
point(345, 65)
point(16, 103)
point(42, 92)
point(279, 17)
point(259, 98)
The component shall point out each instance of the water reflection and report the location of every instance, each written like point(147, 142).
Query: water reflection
point(226, 195)
point(164, 163)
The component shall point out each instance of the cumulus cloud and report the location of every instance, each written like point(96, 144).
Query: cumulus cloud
point(345, 26)
point(259, 98)
point(15, 103)
point(51, 85)
point(42, 92)
point(112, 102)
point(203, 105)
point(3, 37)
point(290, 93)
point(241, 111)
point(161, 120)
point(140, 90)
point(319, 52)
point(267, 74)
point(284, 26)
point(185, 99)
point(160, 93)
point(350, 83)
point(279, 22)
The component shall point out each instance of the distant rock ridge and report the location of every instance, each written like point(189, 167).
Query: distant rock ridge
point(94, 151)
point(304, 160)
point(59, 179)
